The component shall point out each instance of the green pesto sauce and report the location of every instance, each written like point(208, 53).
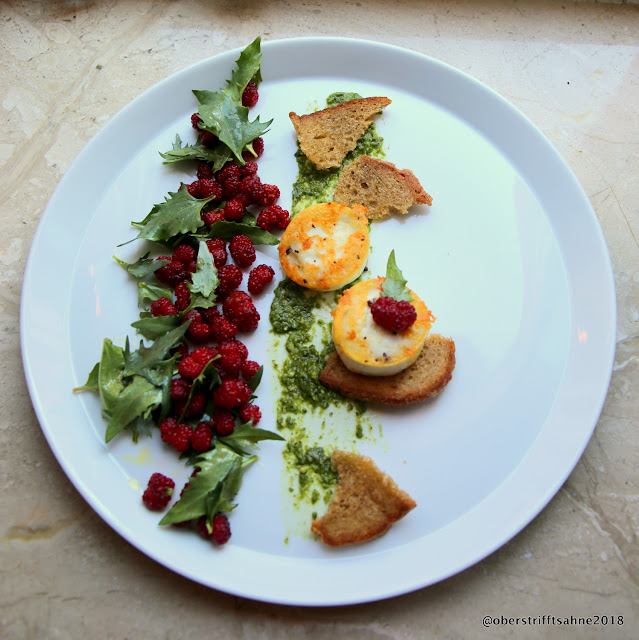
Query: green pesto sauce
point(300, 321)
point(314, 185)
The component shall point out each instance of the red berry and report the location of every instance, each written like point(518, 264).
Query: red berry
point(234, 209)
point(193, 189)
point(393, 315)
point(223, 422)
point(249, 369)
point(269, 195)
point(258, 148)
point(210, 187)
point(203, 354)
point(259, 277)
point(211, 217)
point(202, 437)
point(195, 407)
point(232, 394)
point(250, 95)
point(172, 273)
point(223, 329)
point(195, 121)
point(163, 307)
point(250, 412)
point(230, 278)
point(242, 250)
point(221, 529)
point(231, 356)
point(217, 247)
point(189, 369)
point(198, 331)
point(184, 253)
point(229, 171)
point(273, 217)
point(180, 437)
point(182, 296)
point(209, 314)
point(193, 315)
point(249, 169)
point(204, 171)
point(180, 389)
point(158, 492)
point(251, 187)
point(240, 310)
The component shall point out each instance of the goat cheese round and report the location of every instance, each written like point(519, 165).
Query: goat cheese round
point(325, 246)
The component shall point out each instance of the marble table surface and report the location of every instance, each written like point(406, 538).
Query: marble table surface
point(66, 67)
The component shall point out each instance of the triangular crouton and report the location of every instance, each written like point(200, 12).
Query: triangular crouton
point(380, 187)
point(366, 502)
point(326, 136)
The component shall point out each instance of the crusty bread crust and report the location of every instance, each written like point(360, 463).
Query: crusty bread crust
point(425, 378)
point(366, 502)
point(326, 136)
point(379, 186)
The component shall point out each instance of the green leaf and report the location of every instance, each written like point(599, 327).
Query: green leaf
point(254, 382)
point(92, 383)
point(155, 327)
point(110, 375)
point(141, 267)
point(222, 112)
point(217, 156)
point(137, 400)
point(179, 214)
point(229, 122)
point(394, 285)
point(226, 230)
point(204, 280)
point(249, 434)
point(215, 467)
point(149, 292)
point(139, 362)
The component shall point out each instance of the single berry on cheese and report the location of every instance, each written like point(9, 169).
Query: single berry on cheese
point(367, 348)
point(325, 246)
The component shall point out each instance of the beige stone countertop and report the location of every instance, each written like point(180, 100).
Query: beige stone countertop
point(66, 67)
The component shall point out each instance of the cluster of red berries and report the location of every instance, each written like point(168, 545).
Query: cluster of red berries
point(393, 315)
point(200, 413)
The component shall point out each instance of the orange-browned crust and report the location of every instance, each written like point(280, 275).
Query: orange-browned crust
point(426, 378)
point(366, 502)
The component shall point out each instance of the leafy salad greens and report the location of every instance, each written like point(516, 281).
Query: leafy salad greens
point(134, 385)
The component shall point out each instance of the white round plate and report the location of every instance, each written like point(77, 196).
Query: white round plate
point(510, 258)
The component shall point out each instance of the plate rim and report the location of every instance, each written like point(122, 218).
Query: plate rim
point(308, 599)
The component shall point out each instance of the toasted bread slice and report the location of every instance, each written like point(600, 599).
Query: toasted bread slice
point(379, 186)
point(365, 505)
point(326, 136)
point(429, 374)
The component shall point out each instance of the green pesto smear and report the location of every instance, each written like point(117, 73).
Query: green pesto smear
point(313, 419)
point(314, 185)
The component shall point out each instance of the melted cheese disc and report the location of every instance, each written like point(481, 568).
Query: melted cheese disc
point(365, 347)
point(325, 246)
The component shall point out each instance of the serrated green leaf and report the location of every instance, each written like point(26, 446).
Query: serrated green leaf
point(141, 267)
point(92, 383)
point(247, 433)
point(153, 328)
point(215, 466)
point(230, 123)
point(178, 214)
point(204, 280)
point(145, 358)
point(217, 156)
point(110, 375)
point(394, 285)
point(226, 230)
point(136, 400)
point(150, 292)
